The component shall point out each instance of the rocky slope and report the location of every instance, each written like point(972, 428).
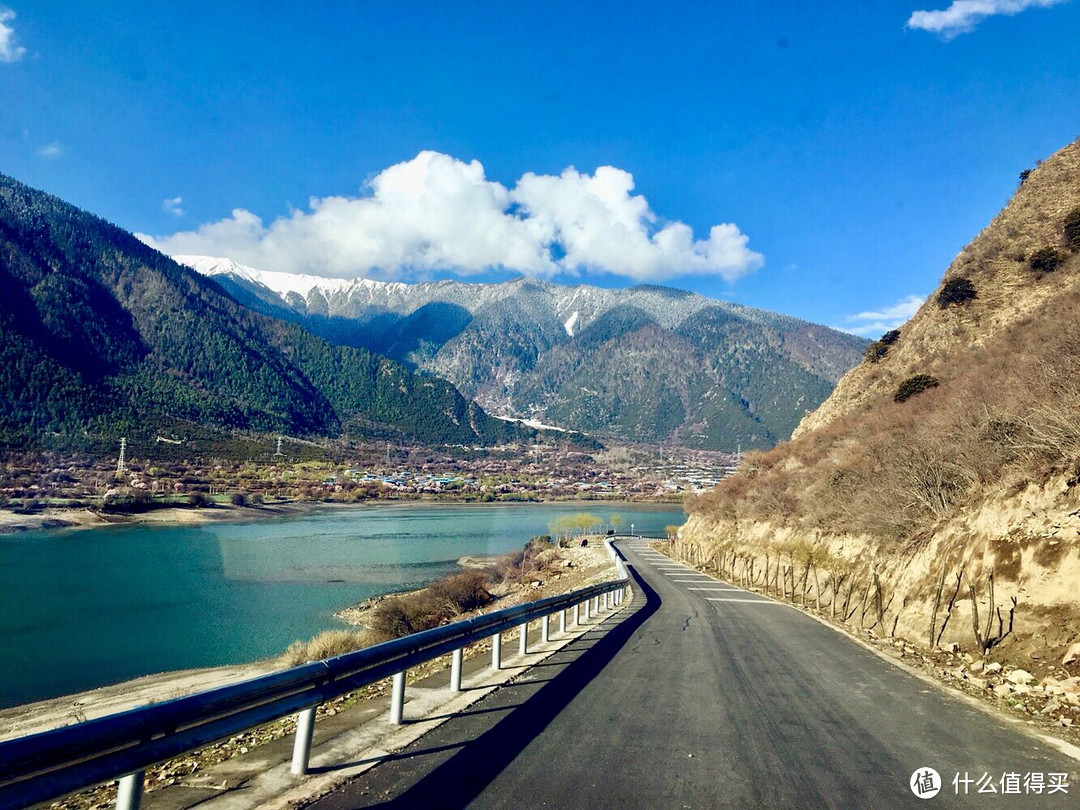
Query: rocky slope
point(646, 363)
point(941, 479)
point(998, 263)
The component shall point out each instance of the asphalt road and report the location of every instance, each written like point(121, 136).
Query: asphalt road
point(707, 696)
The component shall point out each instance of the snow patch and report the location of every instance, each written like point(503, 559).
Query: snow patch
point(280, 283)
point(571, 322)
point(535, 424)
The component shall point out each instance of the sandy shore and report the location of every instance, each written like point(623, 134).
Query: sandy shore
point(31, 718)
point(10, 522)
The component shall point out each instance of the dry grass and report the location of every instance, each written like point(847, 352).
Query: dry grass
point(326, 645)
point(1006, 413)
point(977, 478)
point(444, 600)
point(997, 263)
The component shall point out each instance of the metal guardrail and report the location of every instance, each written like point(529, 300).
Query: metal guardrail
point(52, 764)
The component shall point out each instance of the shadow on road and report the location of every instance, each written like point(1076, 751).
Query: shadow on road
point(461, 778)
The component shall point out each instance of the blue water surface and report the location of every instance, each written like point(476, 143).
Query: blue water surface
point(81, 609)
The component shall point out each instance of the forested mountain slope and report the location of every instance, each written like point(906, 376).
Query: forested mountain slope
point(647, 363)
point(100, 334)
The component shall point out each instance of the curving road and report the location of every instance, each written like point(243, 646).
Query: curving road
point(704, 696)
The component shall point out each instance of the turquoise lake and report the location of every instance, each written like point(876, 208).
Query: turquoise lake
point(81, 609)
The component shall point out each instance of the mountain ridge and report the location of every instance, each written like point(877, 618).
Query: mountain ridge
point(516, 346)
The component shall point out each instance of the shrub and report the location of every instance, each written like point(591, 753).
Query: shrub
point(1047, 260)
point(880, 347)
point(400, 616)
point(956, 291)
point(1026, 173)
point(461, 592)
point(1072, 229)
point(538, 543)
point(914, 385)
point(238, 499)
point(198, 500)
point(508, 568)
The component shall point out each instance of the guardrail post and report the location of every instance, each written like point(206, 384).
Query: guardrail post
point(523, 645)
point(595, 605)
point(129, 791)
point(562, 621)
point(587, 604)
point(397, 699)
point(545, 633)
point(455, 669)
point(605, 600)
point(577, 615)
point(301, 752)
point(496, 651)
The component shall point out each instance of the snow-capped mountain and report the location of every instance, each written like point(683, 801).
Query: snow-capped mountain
point(576, 306)
point(644, 363)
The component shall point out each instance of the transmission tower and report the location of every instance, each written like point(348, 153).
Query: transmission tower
point(278, 452)
point(121, 463)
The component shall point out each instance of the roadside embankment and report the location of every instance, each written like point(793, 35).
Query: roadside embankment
point(985, 600)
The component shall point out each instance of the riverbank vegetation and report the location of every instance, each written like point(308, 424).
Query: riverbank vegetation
point(522, 576)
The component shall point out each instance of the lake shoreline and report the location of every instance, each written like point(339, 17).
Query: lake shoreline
point(48, 713)
point(65, 519)
point(137, 599)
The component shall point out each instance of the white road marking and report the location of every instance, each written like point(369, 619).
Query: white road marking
point(736, 590)
point(755, 601)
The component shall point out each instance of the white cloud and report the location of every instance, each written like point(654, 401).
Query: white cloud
point(435, 212)
point(10, 50)
point(51, 150)
point(874, 324)
point(172, 206)
point(963, 15)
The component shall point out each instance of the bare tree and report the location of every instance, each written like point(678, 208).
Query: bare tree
point(948, 612)
point(983, 638)
point(847, 600)
point(934, 612)
point(880, 608)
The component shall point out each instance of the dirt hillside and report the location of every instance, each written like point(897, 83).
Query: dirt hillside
point(952, 451)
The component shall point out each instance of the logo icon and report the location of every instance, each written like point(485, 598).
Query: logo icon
point(925, 783)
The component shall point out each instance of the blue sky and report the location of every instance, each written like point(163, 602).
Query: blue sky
point(856, 154)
